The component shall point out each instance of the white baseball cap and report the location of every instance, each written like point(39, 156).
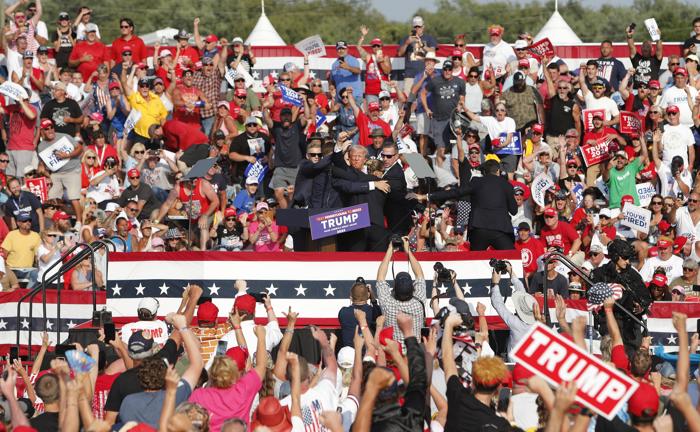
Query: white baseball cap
point(384, 94)
point(519, 44)
point(346, 357)
point(110, 207)
point(417, 21)
point(150, 304)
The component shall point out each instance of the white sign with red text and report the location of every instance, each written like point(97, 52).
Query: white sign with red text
point(557, 360)
point(312, 46)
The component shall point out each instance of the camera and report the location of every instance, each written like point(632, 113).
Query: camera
point(499, 266)
point(444, 275)
point(396, 242)
point(413, 32)
point(360, 280)
point(467, 326)
point(676, 165)
point(259, 297)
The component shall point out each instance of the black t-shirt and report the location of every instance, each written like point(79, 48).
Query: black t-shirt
point(246, 145)
point(467, 413)
point(27, 202)
point(56, 111)
point(128, 383)
point(218, 182)
point(560, 285)
point(646, 69)
point(231, 238)
point(65, 47)
point(142, 192)
point(691, 41)
point(246, 61)
point(288, 144)
point(346, 317)
point(46, 422)
point(445, 95)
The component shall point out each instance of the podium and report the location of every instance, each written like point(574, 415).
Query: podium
point(297, 220)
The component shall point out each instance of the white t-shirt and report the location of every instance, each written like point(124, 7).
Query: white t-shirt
point(41, 251)
point(675, 141)
point(669, 185)
point(673, 267)
point(80, 31)
point(498, 56)
point(525, 410)
point(106, 189)
point(322, 397)
point(473, 97)
point(273, 336)
point(390, 116)
point(41, 30)
point(495, 127)
point(685, 226)
point(158, 328)
point(610, 107)
point(676, 96)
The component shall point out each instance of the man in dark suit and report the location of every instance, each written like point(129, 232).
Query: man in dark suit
point(358, 187)
point(397, 208)
point(309, 168)
point(493, 201)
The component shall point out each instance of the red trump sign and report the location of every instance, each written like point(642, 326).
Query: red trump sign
point(549, 355)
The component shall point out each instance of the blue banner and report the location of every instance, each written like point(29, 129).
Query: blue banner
point(290, 96)
point(514, 148)
point(338, 221)
point(320, 119)
point(257, 170)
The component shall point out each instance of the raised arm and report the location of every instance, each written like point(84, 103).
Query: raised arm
point(194, 369)
point(327, 354)
point(582, 80)
point(199, 43)
point(384, 266)
point(630, 42)
point(172, 379)
point(281, 363)
point(448, 362)
point(260, 352)
point(415, 265)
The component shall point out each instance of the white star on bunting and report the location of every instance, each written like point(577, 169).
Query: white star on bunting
point(467, 289)
point(330, 291)
point(255, 75)
point(274, 74)
point(301, 290)
point(272, 290)
point(312, 74)
point(25, 323)
point(442, 288)
point(139, 289)
point(49, 325)
point(71, 324)
point(3, 324)
point(164, 289)
point(671, 339)
point(213, 289)
point(117, 290)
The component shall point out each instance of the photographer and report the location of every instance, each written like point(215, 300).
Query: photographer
point(359, 294)
point(408, 295)
point(527, 311)
point(555, 281)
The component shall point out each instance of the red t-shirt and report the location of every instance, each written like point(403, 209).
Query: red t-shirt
point(365, 125)
point(188, 57)
point(102, 385)
point(190, 95)
point(138, 49)
point(562, 232)
point(97, 50)
point(530, 250)
point(277, 106)
point(162, 73)
point(598, 135)
point(21, 128)
point(180, 135)
point(104, 152)
point(374, 77)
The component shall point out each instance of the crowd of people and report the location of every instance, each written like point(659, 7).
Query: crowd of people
point(528, 152)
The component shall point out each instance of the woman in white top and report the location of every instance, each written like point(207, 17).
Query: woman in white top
point(81, 21)
point(501, 129)
point(49, 251)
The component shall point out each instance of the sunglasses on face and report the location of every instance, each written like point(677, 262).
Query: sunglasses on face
point(447, 68)
point(672, 113)
point(314, 154)
point(459, 45)
point(385, 99)
point(139, 152)
point(563, 88)
point(500, 110)
point(88, 158)
point(674, 64)
point(132, 209)
point(125, 26)
point(388, 156)
point(316, 85)
point(457, 58)
point(693, 200)
point(376, 46)
point(230, 219)
point(51, 235)
point(473, 76)
point(598, 88)
point(133, 178)
point(550, 217)
point(657, 203)
point(474, 152)
point(285, 79)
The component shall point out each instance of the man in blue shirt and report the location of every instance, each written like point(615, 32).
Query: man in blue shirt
point(414, 49)
point(243, 203)
point(345, 72)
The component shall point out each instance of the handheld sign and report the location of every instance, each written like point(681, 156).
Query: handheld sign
point(131, 120)
point(541, 48)
point(320, 119)
point(653, 29)
point(645, 191)
point(540, 185)
point(14, 91)
point(257, 170)
point(48, 155)
point(338, 221)
point(290, 96)
point(630, 123)
point(312, 46)
point(557, 360)
point(232, 74)
point(595, 154)
point(514, 147)
point(637, 218)
point(38, 187)
point(588, 117)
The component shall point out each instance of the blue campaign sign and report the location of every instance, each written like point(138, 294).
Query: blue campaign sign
point(578, 190)
point(257, 170)
point(514, 148)
point(320, 119)
point(290, 96)
point(338, 221)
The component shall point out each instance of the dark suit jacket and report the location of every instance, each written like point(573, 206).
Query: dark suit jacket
point(353, 186)
point(303, 185)
point(492, 200)
point(397, 207)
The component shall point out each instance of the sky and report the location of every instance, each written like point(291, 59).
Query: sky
point(402, 10)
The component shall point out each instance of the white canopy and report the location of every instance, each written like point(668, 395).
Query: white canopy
point(558, 31)
point(264, 34)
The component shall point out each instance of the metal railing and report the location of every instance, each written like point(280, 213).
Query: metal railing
point(70, 263)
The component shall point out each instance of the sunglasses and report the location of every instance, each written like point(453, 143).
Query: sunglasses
point(55, 235)
point(474, 152)
point(571, 136)
point(242, 97)
point(388, 156)
point(595, 254)
point(563, 88)
point(550, 217)
point(447, 68)
point(139, 152)
point(385, 99)
point(125, 26)
point(654, 112)
point(500, 110)
point(674, 64)
point(596, 87)
point(693, 200)
point(314, 154)
point(657, 203)
point(672, 113)
point(473, 76)
point(376, 46)
point(316, 85)
point(88, 157)
point(604, 217)
point(459, 45)
point(230, 219)
point(132, 209)
point(133, 177)
point(457, 58)
point(285, 79)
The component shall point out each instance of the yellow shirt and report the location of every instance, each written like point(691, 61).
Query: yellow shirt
point(152, 111)
point(21, 249)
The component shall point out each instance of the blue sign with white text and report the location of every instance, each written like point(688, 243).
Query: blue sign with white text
point(338, 221)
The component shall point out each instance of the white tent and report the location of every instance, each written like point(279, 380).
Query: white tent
point(558, 31)
point(264, 34)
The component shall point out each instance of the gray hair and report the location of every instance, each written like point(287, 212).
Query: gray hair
point(233, 422)
point(355, 148)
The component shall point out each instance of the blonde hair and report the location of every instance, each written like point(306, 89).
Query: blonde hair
point(135, 147)
point(87, 153)
point(223, 372)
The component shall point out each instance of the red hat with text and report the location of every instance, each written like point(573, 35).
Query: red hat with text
point(495, 30)
point(523, 63)
point(376, 41)
point(627, 198)
point(664, 242)
point(245, 303)
point(654, 84)
point(672, 109)
point(211, 38)
point(538, 128)
point(680, 71)
point(46, 123)
point(456, 53)
point(230, 212)
point(550, 211)
point(133, 172)
point(660, 280)
point(373, 106)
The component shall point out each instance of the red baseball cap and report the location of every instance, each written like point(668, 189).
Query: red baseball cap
point(386, 333)
point(245, 303)
point(644, 402)
point(672, 109)
point(240, 92)
point(239, 356)
point(664, 226)
point(679, 243)
point(521, 375)
point(211, 38)
point(495, 31)
point(46, 123)
point(60, 215)
point(538, 128)
point(680, 71)
point(627, 199)
point(654, 84)
point(133, 172)
point(373, 106)
point(524, 63)
point(207, 313)
point(659, 280)
point(376, 41)
point(456, 53)
point(550, 211)
point(230, 211)
point(126, 48)
point(114, 85)
point(653, 251)
point(664, 243)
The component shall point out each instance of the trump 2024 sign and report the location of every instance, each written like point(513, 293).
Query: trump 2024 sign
point(600, 387)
